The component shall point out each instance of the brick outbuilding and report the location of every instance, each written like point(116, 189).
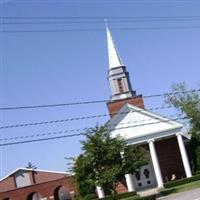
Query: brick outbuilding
point(34, 184)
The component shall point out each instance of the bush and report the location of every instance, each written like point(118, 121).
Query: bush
point(167, 191)
point(125, 195)
point(87, 197)
point(197, 151)
point(182, 181)
point(152, 197)
point(120, 196)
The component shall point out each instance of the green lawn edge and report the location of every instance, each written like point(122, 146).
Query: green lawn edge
point(180, 188)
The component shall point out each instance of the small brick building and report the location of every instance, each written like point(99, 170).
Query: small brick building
point(29, 184)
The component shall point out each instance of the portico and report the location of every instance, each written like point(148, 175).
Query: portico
point(165, 143)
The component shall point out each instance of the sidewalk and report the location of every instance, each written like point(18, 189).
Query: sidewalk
point(148, 192)
point(187, 195)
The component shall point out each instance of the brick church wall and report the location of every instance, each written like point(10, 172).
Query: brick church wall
point(169, 158)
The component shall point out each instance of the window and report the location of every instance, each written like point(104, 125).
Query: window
point(61, 193)
point(120, 84)
point(34, 196)
point(22, 179)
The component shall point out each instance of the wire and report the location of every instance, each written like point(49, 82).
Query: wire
point(99, 18)
point(47, 22)
point(97, 30)
point(77, 118)
point(104, 2)
point(77, 134)
point(90, 102)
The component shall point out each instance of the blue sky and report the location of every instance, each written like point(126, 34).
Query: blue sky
point(69, 66)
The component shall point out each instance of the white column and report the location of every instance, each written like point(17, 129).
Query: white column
point(100, 192)
point(156, 165)
point(184, 156)
point(129, 178)
point(129, 182)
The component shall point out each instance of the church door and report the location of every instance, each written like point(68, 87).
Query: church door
point(145, 177)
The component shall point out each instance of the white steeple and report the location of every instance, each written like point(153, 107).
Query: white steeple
point(113, 55)
point(117, 75)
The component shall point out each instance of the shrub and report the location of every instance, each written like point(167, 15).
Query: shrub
point(182, 181)
point(197, 151)
point(87, 197)
point(167, 191)
point(152, 197)
point(120, 196)
point(125, 195)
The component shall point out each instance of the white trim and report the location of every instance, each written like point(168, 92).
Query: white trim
point(127, 108)
point(154, 136)
point(172, 128)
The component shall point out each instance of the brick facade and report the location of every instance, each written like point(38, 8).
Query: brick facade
point(46, 186)
point(169, 157)
point(115, 106)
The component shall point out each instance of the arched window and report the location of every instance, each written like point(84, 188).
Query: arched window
point(34, 196)
point(61, 193)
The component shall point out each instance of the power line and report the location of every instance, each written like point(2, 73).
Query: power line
point(76, 118)
point(102, 1)
point(99, 30)
point(91, 102)
point(97, 18)
point(95, 22)
point(76, 134)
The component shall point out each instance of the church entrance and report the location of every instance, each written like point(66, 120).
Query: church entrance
point(145, 177)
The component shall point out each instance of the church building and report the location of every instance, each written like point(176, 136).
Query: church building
point(162, 136)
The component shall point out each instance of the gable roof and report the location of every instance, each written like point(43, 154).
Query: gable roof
point(136, 125)
point(28, 170)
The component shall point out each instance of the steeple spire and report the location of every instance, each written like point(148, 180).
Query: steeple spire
point(120, 85)
point(113, 55)
point(118, 76)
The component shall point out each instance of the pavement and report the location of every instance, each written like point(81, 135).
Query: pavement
point(188, 195)
point(148, 192)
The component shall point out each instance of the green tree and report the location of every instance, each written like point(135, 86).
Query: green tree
point(188, 103)
point(101, 162)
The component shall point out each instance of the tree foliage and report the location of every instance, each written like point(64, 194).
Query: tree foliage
point(102, 162)
point(188, 103)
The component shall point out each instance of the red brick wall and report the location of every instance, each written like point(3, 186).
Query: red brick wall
point(41, 177)
point(44, 189)
point(122, 187)
point(9, 182)
point(114, 106)
point(169, 158)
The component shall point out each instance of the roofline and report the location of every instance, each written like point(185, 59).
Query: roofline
point(156, 115)
point(27, 169)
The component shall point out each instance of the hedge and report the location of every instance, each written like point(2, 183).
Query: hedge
point(151, 197)
point(120, 196)
point(182, 181)
point(108, 197)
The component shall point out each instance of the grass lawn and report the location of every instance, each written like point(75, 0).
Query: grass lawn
point(176, 189)
point(181, 188)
